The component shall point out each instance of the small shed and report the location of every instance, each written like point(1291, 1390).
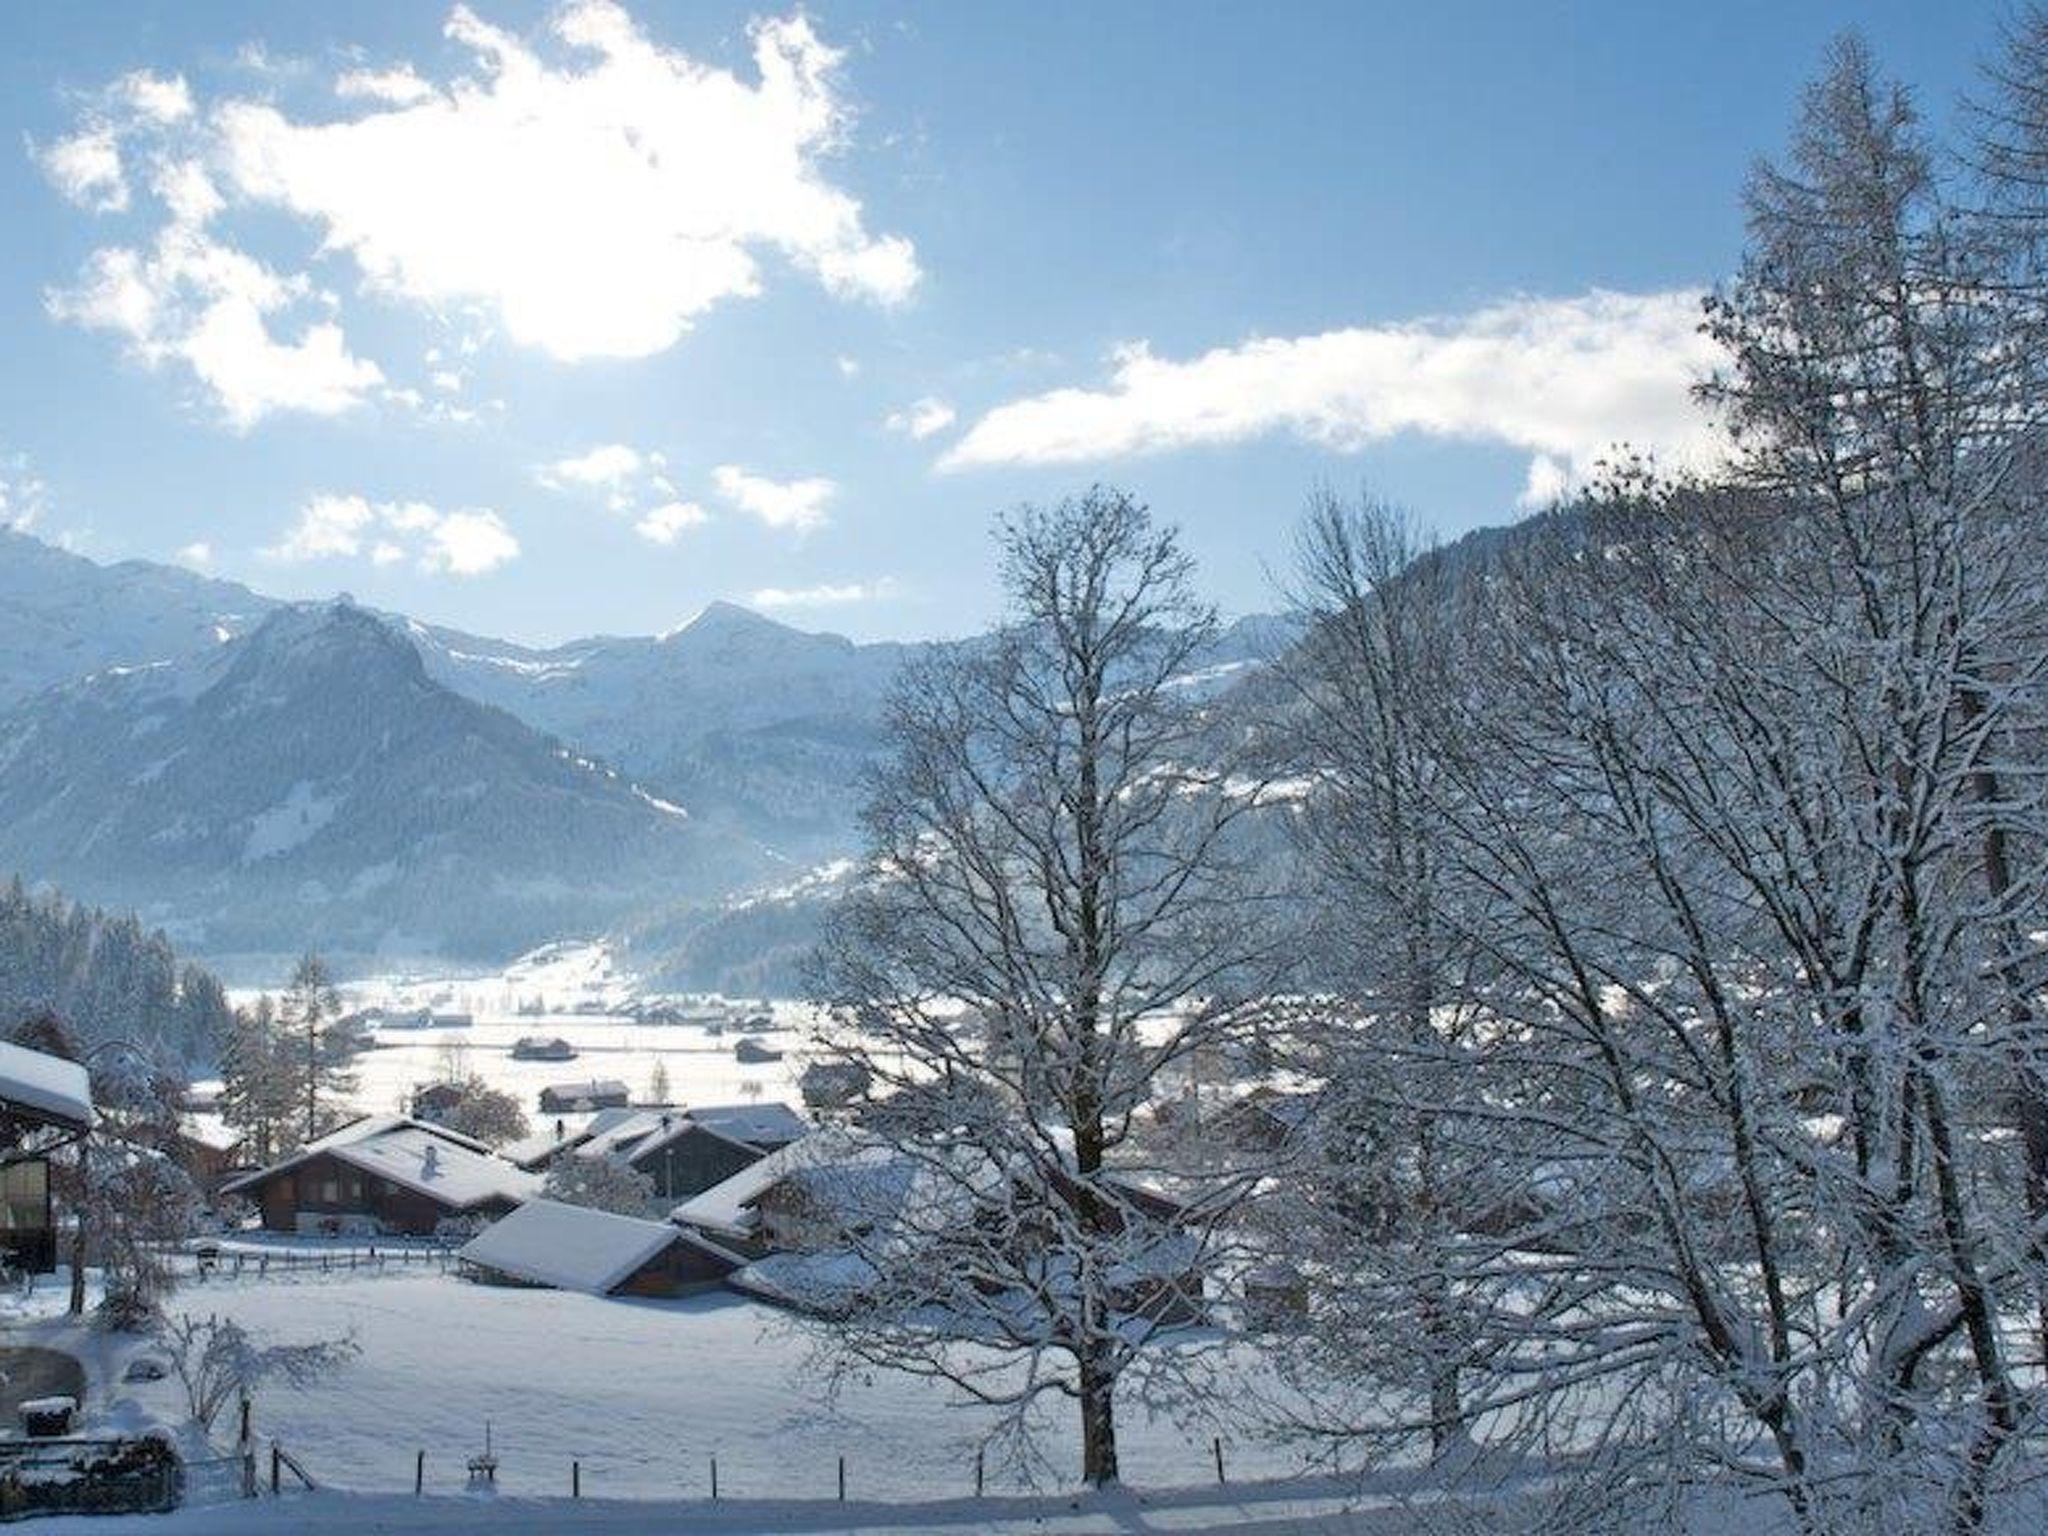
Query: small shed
point(574, 1248)
point(579, 1098)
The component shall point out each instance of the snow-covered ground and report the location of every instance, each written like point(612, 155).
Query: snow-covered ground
point(1275, 1510)
point(643, 1393)
point(701, 1066)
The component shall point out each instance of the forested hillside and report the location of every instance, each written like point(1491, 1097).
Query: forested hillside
point(106, 976)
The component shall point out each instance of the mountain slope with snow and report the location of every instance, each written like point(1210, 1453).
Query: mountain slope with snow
point(310, 785)
point(63, 616)
point(756, 726)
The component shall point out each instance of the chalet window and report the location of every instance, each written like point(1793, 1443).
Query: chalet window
point(330, 1192)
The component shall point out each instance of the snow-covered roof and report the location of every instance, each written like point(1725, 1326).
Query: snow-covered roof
point(829, 1283)
point(456, 1170)
point(644, 1131)
point(727, 1207)
point(865, 1181)
point(587, 1088)
point(46, 1085)
point(573, 1247)
point(578, 1125)
point(209, 1130)
point(758, 1125)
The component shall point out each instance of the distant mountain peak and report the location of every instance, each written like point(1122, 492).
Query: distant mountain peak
point(722, 617)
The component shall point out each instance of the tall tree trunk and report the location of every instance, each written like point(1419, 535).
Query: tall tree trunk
point(1098, 1417)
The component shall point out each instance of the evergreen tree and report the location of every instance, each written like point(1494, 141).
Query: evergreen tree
point(323, 1048)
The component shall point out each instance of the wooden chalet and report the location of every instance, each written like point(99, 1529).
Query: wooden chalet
point(385, 1174)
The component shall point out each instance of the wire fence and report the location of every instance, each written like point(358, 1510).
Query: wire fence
point(373, 1258)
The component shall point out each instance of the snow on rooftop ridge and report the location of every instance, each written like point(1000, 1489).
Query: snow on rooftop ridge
point(47, 1084)
point(570, 1247)
point(415, 1157)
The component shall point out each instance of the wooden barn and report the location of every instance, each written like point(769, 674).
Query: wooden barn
point(385, 1173)
point(575, 1248)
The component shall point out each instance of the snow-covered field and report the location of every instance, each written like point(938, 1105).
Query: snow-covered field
point(701, 1066)
point(643, 1393)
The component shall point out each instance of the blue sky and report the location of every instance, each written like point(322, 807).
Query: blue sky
point(547, 320)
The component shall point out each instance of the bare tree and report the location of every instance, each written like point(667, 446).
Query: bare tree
point(217, 1360)
point(1057, 909)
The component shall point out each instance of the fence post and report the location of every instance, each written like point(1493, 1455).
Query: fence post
point(276, 1466)
point(979, 1469)
point(246, 1436)
point(1217, 1446)
point(842, 1479)
point(575, 1479)
point(419, 1473)
point(248, 1472)
point(714, 1479)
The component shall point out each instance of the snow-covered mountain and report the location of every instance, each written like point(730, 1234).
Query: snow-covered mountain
point(258, 776)
point(310, 784)
point(755, 725)
point(63, 616)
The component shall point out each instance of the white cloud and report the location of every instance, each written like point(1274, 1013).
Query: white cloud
point(597, 205)
point(609, 467)
point(193, 300)
point(849, 367)
point(921, 418)
point(400, 87)
point(189, 298)
point(157, 99)
point(198, 554)
point(825, 595)
point(24, 495)
point(86, 168)
point(794, 504)
point(1565, 379)
point(665, 523)
point(590, 197)
point(469, 542)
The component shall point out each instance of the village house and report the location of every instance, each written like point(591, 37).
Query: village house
point(209, 1150)
point(686, 1151)
point(433, 1101)
point(385, 1174)
point(574, 1248)
point(45, 1103)
point(580, 1098)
